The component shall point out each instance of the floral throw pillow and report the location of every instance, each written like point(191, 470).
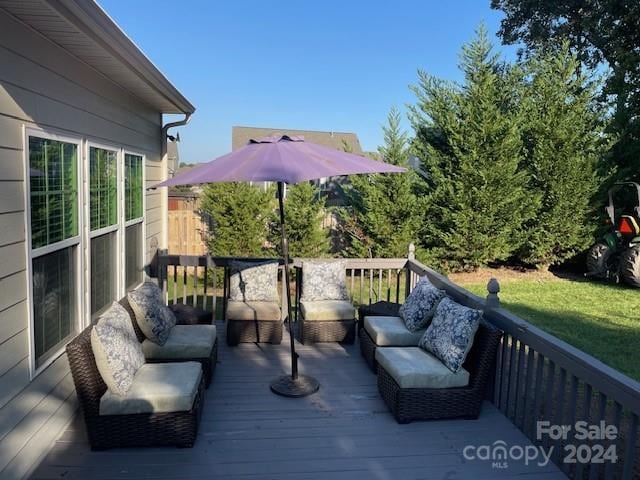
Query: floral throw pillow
point(154, 318)
point(151, 289)
point(324, 281)
point(116, 349)
point(419, 307)
point(450, 335)
point(253, 282)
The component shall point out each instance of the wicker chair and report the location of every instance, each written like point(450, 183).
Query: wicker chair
point(324, 320)
point(408, 404)
point(208, 363)
point(130, 430)
point(378, 309)
point(254, 331)
point(367, 345)
point(247, 319)
point(314, 331)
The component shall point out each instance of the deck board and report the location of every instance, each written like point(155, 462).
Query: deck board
point(344, 431)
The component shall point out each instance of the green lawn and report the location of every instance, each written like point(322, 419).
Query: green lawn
point(603, 320)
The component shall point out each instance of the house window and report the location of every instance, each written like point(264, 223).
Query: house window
point(103, 187)
point(103, 221)
point(133, 255)
point(134, 211)
point(133, 186)
point(54, 240)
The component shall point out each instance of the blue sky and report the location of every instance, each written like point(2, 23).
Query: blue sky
point(330, 65)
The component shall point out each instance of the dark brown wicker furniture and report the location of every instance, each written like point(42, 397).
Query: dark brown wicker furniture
point(408, 404)
point(208, 363)
point(313, 331)
point(254, 331)
point(367, 345)
point(368, 349)
point(250, 321)
point(378, 309)
point(189, 315)
point(132, 430)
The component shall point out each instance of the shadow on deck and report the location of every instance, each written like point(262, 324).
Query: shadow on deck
point(342, 432)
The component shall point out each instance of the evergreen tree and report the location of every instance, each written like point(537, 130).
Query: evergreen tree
point(604, 35)
point(564, 141)
point(384, 215)
point(304, 211)
point(240, 214)
point(469, 140)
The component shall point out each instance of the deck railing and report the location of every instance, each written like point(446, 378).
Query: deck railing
point(539, 378)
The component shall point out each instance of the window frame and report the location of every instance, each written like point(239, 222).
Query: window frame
point(75, 241)
point(116, 227)
point(134, 221)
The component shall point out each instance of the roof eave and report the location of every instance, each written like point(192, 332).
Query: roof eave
point(96, 24)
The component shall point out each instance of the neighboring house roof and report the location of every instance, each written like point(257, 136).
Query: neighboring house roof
point(240, 136)
point(87, 32)
point(185, 168)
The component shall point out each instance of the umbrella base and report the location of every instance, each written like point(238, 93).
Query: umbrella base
point(300, 387)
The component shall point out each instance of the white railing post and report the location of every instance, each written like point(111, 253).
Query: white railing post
point(412, 252)
point(493, 288)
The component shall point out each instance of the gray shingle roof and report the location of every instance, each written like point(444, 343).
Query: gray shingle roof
point(240, 136)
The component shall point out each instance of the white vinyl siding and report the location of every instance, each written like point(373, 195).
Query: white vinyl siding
point(47, 89)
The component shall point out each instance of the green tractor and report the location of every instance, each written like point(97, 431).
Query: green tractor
point(617, 255)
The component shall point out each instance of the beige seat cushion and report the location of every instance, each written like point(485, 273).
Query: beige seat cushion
point(328, 310)
point(412, 367)
point(264, 311)
point(184, 342)
point(156, 388)
point(391, 332)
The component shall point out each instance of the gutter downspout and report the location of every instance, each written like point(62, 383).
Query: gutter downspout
point(165, 168)
point(165, 131)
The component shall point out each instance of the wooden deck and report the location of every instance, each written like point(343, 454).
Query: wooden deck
point(342, 432)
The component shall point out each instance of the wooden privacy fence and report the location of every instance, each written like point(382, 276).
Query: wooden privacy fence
point(187, 232)
point(538, 378)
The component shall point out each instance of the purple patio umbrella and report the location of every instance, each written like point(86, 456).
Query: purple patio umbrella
point(282, 159)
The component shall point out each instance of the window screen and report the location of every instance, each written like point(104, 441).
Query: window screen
point(103, 272)
point(54, 301)
point(133, 255)
point(103, 190)
point(53, 191)
point(132, 186)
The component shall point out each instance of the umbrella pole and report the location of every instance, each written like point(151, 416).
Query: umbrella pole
point(293, 385)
